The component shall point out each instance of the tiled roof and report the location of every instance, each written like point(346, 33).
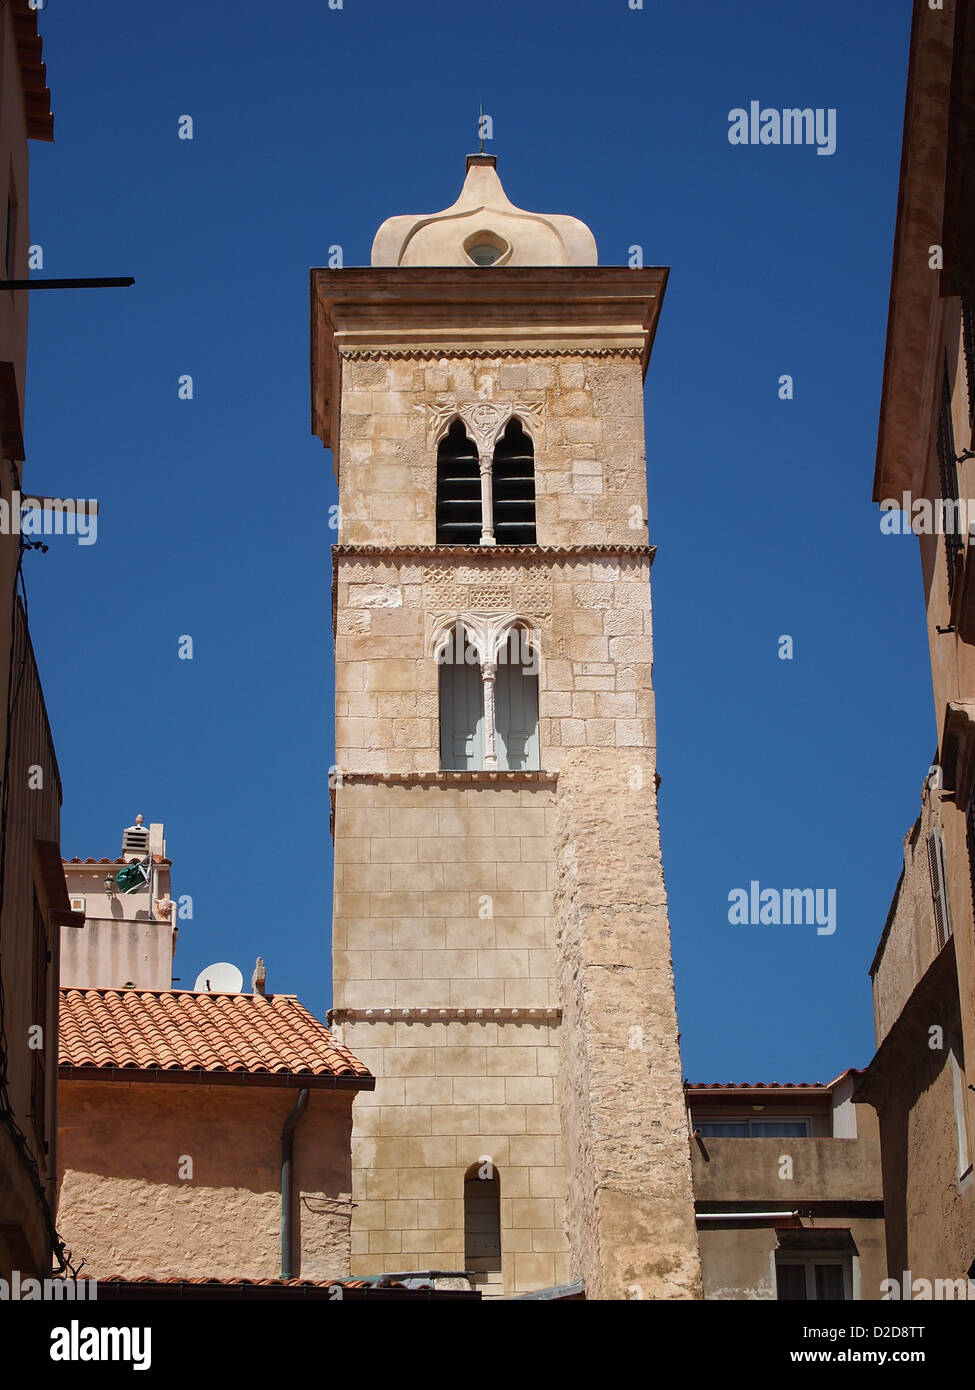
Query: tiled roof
point(771, 1085)
point(181, 1035)
point(148, 1286)
point(156, 859)
point(754, 1086)
point(206, 1281)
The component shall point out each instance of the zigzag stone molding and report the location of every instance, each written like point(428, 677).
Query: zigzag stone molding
point(451, 354)
point(541, 1014)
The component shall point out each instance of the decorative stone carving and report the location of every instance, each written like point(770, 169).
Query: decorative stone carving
point(441, 354)
point(487, 633)
point(491, 596)
point(485, 421)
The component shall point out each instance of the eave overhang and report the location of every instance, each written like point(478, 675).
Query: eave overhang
point(958, 276)
point(33, 73)
point(427, 310)
point(913, 322)
point(197, 1076)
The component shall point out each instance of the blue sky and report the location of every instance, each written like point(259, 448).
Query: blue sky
point(311, 126)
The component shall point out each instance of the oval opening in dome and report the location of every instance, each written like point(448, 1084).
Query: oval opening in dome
point(486, 248)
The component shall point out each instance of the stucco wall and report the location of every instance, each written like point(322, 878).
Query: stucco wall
point(738, 1262)
point(911, 943)
point(125, 1209)
point(749, 1170)
point(930, 1212)
point(111, 953)
point(929, 1201)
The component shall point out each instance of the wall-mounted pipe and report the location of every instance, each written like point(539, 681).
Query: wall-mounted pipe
point(747, 1215)
point(287, 1182)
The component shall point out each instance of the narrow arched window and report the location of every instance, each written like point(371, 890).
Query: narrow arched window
point(461, 706)
point(514, 487)
point(516, 705)
point(482, 1220)
point(458, 489)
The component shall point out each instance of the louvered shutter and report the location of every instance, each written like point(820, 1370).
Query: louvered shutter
point(939, 889)
point(516, 710)
point(461, 717)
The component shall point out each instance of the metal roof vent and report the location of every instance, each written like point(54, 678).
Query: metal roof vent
point(135, 840)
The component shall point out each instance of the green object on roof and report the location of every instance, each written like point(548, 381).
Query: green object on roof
point(133, 878)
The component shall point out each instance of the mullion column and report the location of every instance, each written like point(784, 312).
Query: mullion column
point(486, 465)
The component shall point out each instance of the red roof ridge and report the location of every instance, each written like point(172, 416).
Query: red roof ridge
point(200, 993)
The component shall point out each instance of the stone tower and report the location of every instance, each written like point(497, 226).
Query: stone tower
point(501, 949)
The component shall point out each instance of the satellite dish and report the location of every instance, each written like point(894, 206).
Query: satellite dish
point(221, 978)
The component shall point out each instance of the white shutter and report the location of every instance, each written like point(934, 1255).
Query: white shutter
point(939, 886)
point(516, 712)
point(461, 717)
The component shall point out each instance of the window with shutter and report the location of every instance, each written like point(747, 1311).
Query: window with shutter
point(820, 1278)
point(458, 489)
point(514, 487)
point(461, 713)
point(939, 890)
point(516, 711)
point(948, 470)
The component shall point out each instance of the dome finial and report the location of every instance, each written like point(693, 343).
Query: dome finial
point(483, 228)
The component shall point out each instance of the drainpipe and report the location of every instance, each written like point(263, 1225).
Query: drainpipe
point(747, 1215)
point(287, 1180)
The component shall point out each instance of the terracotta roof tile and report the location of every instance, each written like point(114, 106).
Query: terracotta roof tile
point(130, 859)
point(186, 1030)
point(226, 1282)
point(150, 1286)
point(754, 1086)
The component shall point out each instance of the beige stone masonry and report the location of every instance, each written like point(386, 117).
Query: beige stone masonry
point(584, 416)
point(631, 1210)
point(497, 938)
point(592, 614)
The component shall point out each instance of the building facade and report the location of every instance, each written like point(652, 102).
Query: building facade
point(204, 1134)
point(501, 952)
point(129, 937)
point(33, 901)
point(924, 970)
point(788, 1191)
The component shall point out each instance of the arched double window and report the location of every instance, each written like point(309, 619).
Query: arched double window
point(489, 707)
point(486, 499)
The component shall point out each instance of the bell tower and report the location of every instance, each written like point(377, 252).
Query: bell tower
point(501, 948)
